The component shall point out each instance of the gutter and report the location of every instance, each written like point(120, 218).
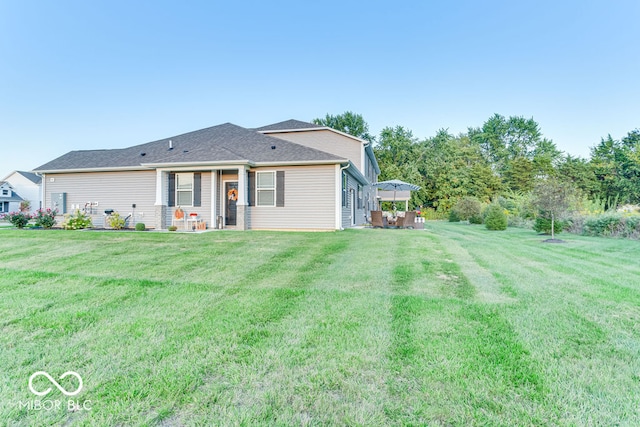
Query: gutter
point(339, 186)
point(104, 169)
point(43, 191)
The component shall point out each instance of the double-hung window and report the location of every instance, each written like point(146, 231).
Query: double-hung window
point(265, 188)
point(184, 189)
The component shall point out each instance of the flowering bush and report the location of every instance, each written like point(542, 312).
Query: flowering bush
point(18, 219)
point(45, 218)
point(77, 221)
point(115, 221)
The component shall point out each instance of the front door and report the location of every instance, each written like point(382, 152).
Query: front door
point(231, 197)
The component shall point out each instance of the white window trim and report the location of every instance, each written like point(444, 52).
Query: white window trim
point(274, 189)
point(184, 174)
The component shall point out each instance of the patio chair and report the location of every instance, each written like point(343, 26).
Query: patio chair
point(409, 219)
point(179, 217)
point(376, 219)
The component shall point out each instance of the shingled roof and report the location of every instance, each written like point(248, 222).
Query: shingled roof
point(31, 176)
point(222, 143)
point(13, 197)
point(289, 125)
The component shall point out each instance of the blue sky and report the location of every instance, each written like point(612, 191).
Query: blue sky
point(110, 74)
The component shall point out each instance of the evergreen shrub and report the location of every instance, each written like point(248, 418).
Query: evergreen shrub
point(495, 218)
point(543, 225)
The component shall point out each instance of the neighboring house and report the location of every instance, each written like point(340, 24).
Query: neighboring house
point(289, 175)
point(27, 184)
point(9, 199)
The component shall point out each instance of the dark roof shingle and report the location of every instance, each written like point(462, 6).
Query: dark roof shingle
point(222, 143)
point(289, 125)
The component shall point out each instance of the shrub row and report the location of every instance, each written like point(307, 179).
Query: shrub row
point(470, 209)
point(608, 224)
point(45, 218)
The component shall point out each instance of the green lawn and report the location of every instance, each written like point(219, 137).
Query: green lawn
point(453, 325)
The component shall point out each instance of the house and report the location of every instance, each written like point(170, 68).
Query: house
point(27, 184)
point(9, 199)
point(290, 175)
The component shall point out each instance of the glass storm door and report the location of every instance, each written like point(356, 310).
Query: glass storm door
point(231, 194)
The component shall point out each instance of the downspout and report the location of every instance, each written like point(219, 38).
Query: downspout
point(375, 195)
point(340, 186)
point(42, 190)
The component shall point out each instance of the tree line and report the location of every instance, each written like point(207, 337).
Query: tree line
point(505, 156)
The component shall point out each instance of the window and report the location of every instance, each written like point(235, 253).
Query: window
point(345, 184)
point(4, 206)
point(359, 196)
point(5, 192)
point(265, 188)
point(184, 189)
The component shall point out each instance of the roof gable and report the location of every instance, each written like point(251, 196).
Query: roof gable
point(289, 125)
point(31, 177)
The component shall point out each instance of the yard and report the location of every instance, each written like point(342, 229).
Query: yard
point(453, 325)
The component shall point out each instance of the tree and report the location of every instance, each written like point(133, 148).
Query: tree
point(467, 207)
point(398, 156)
point(519, 174)
point(617, 167)
point(552, 199)
point(581, 173)
point(629, 166)
point(347, 122)
point(546, 157)
point(504, 139)
point(516, 150)
point(454, 167)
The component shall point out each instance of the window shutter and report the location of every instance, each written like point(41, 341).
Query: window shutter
point(197, 189)
point(172, 189)
point(280, 189)
point(251, 185)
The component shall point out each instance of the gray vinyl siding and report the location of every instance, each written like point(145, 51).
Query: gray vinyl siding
point(112, 190)
point(370, 192)
point(327, 141)
point(352, 185)
point(309, 200)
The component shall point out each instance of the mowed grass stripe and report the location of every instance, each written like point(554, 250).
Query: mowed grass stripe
point(392, 330)
point(258, 367)
point(274, 303)
point(576, 314)
point(436, 340)
point(256, 323)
